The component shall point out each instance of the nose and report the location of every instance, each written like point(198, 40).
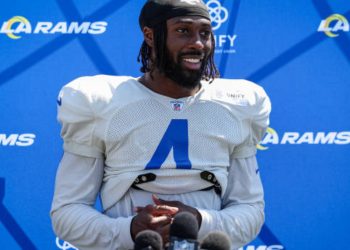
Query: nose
point(196, 41)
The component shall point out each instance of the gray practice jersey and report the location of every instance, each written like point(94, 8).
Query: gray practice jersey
point(115, 129)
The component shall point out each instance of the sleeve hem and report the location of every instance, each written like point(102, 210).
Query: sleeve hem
point(125, 235)
point(207, 223)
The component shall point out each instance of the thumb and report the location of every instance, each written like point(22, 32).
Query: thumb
point(157, 200)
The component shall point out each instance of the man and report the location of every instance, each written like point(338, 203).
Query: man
point(176, 139)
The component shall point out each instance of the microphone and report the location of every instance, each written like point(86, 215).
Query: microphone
point(184, 232)
point(148, 240)
point(216, 241)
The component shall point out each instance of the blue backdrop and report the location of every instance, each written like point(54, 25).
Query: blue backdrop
point(299, 51)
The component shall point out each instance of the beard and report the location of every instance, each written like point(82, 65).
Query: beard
point(182, 76)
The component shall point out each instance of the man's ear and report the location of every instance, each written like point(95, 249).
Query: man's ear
point(148, 36)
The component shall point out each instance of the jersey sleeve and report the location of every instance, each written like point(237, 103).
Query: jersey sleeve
point(78, 120)
point(256, 123)
point(74, 218)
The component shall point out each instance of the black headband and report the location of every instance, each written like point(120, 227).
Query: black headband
point(156, 11)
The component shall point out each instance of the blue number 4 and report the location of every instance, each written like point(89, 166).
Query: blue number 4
point(176, 138)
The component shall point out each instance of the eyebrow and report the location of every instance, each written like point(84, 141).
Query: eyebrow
point(190, 21)
point(183, 20)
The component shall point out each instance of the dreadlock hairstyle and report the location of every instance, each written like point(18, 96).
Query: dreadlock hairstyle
point(160, 34)
point(145, 56)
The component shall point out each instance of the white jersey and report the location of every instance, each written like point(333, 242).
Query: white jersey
point(138, 131)
point(115, 129)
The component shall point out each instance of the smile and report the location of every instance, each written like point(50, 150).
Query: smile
point(192, 63)
point(192, 60)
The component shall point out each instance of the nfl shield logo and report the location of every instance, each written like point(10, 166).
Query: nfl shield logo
point(177, 105)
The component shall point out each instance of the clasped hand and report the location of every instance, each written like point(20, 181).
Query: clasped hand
point(159, 216)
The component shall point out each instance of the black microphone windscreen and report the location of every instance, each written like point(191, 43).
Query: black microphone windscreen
point(148, 239)
point(185, 226)
point(216, 241)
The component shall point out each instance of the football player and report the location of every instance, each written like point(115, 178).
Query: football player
point(177, 138)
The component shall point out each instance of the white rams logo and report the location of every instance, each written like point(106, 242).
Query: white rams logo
point(333, 24)
point(17, 26)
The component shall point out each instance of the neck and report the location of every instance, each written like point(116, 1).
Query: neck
point(161, 84)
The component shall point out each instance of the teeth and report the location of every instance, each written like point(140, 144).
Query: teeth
point(192, 60)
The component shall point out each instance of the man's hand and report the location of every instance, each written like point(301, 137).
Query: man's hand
point(159, 217)
point(154, 217)
point(180, 206)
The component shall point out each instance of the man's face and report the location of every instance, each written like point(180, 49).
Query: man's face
point(188, 46)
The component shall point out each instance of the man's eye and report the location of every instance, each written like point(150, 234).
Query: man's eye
point(206, 33)
point(182, 30)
